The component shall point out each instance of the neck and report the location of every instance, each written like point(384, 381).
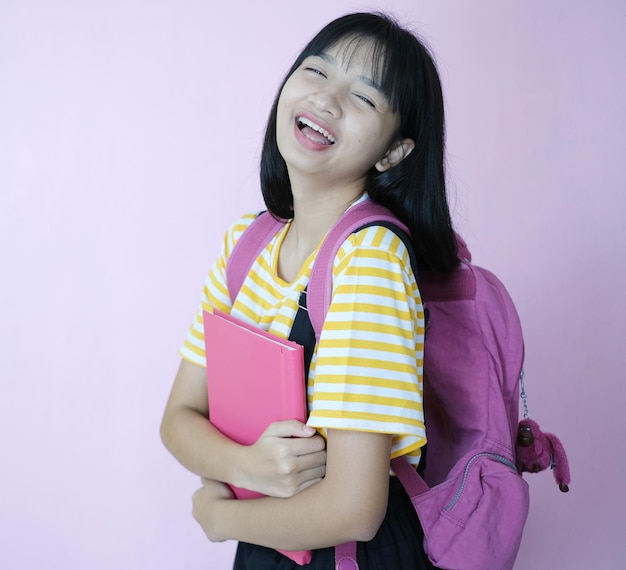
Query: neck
point(318, 203)
point(314, 215)
point(311, 221)
point(315, 212)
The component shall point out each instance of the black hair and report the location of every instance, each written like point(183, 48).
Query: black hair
point(414, 190)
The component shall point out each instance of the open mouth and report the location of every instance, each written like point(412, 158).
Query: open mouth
point(314, 132)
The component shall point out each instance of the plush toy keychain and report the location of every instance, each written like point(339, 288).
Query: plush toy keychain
point(536, 450)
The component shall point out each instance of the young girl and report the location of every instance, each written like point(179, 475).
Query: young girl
point(359, 116)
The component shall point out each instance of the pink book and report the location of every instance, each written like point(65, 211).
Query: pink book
point(254, 378)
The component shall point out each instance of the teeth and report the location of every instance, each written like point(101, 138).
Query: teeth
point(317, 128)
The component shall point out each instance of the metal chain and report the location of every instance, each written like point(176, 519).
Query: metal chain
point(523, 394)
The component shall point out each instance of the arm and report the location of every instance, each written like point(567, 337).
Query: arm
point(287, 458)
point(379, 373)
point(348, 504)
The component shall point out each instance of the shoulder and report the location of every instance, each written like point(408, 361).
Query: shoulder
point(242, 224)
point(236, 230)
point(376, 242)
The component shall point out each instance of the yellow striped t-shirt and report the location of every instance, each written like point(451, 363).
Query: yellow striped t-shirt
point(366, 372)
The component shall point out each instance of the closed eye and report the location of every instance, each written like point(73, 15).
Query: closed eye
point(366, 100)
point(315, 70)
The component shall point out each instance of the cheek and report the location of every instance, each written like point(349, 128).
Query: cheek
point(282, 116)
point(289, 92)
point(285, 106)
point(281, 105)
point(284, 125)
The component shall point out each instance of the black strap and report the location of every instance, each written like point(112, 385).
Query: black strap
point(302, 332)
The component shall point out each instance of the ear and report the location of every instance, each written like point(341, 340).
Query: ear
point(398, 151)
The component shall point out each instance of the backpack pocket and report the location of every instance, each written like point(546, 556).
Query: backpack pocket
point(475, 519)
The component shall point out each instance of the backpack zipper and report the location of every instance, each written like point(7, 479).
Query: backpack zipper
point(459, 491)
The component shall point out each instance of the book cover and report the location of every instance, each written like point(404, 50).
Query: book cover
point(254, 378)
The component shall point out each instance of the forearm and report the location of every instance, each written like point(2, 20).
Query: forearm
point(315, 518)
point(200, 447)
point(349, 504)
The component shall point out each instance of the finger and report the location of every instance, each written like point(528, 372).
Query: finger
point(308, 484)
point(307, 446)
point(228, 492)
point(215, 488)
point(311, 461)
point(314, 474)
point(311, 477)
point(289, 428)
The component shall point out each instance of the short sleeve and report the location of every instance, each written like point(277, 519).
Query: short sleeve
point(368, 365)
point(214, 293)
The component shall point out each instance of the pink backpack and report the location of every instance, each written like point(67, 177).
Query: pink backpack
point(472, 502)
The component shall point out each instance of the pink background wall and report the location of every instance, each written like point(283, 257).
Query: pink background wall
point(129, 137)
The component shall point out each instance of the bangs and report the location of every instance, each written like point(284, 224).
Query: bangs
point(383, 70)
point(388, 47)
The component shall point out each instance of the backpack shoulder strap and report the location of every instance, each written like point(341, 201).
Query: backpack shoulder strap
point(319, 289)
point(248, 247)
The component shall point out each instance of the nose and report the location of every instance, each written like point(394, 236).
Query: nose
point(328, 99)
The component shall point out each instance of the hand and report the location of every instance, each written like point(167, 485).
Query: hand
point(287, 458)
point(204, 501)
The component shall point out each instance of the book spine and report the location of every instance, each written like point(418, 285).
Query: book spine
point(293, 393)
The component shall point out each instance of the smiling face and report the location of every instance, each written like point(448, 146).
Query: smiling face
point(333, 121)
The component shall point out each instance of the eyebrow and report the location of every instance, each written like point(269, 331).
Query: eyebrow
point(363, 78)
